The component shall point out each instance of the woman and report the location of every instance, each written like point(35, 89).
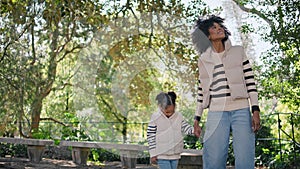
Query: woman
point(227, 88)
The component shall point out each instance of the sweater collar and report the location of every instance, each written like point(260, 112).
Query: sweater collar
point(162, 114)
point(206, 56)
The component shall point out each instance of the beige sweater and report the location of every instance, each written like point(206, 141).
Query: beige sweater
point(226, 81)
point(165, 135)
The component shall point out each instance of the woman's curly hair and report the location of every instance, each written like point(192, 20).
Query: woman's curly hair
point(201, 33)
point(205, 24)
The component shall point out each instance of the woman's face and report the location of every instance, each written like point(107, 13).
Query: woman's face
point(216, 32)
point(169, 110)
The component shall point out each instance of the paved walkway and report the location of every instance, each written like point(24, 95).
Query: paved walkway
point(22, 163)
point(46, 163)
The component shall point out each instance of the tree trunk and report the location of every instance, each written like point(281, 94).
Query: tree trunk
point(35, 115)
point(44, 90)
point(124, 130)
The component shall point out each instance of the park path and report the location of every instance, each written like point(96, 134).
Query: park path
point(23, 163)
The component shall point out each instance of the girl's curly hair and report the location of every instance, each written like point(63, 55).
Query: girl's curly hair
point(166, 99)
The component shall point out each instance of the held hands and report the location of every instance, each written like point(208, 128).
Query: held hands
point(154, 160)
point(197, 129)
point(255, 121)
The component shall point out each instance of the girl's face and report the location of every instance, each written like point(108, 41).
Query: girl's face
point(169, 110)
point(216, 32)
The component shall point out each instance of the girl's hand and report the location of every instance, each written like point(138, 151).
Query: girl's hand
point(154, 160)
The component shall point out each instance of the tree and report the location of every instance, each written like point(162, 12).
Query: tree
point(38, 36)
point(280, 76)
point(281, 72)
point(121, 61)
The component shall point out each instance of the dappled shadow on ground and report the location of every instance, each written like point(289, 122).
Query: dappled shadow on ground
point(22, 163)
point(46, 163)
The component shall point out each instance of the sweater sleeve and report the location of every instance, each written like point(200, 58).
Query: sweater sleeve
point(186, 128)
point(199, 108)
point(151, 137)
point(250, 84)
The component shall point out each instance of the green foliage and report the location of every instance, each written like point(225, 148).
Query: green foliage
point(40, 46)
point(285, 160)
point(73, 131)
point(268, 147)
point(37, 36)
point(41, 134)
point(41, 65)
point(265, 148)
point(246, 29)
point(192, 142)
point(230, 158)
point(14, 150)
point(74, 134)
point(103, 155)
point(280, 74)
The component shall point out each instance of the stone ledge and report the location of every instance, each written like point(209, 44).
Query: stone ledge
point(191, 159)
point(35, 147)
point(90, 144)
point(26, 141)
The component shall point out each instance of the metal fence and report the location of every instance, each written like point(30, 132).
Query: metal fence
point(135, 132)
point(285, 135)
point(290, 135)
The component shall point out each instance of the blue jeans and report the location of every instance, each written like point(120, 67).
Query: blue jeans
point(216, 139)
point(167, 164)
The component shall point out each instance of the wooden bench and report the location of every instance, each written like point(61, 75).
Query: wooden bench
point(128, 153)
point(35, 147)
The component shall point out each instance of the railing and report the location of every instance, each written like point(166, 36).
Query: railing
point(136, 131)
point(284, 137)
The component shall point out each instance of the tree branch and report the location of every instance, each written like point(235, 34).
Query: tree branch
point(254, 11)
point(70, 51)
point(32, 37)
point(52, 119)
point(13, 40)
point(62, 87)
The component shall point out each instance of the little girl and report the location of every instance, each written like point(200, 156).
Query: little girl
point(164, 133)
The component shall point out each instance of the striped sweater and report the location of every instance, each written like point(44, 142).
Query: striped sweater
point(165, 135)
point(226, 81)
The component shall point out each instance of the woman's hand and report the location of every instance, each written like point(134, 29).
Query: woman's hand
point(197, 129)
point(255, 121)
